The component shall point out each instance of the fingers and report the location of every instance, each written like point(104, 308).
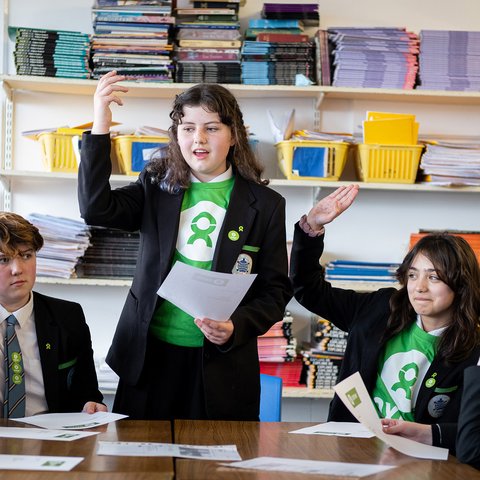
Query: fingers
point(108, 86)
point(216, 332)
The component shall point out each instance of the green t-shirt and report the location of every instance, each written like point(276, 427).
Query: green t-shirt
point(401, 370)
point(203, 211)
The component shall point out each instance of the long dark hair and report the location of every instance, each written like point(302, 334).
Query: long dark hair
point(171, 172)
point(456, 265)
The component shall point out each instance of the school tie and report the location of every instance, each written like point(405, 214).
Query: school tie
point(14, 396)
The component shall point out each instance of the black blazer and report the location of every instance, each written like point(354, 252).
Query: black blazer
point(364, 316)
point(257, 213)
point(468, 439)
point(66, 354)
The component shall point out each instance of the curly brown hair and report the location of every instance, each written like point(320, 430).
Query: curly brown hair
point(169, 169)
point(16, 231)
point(456, 265)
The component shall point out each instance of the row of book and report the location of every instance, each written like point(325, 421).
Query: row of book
point(74, 250)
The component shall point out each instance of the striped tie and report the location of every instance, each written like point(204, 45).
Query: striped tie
point(14, 396)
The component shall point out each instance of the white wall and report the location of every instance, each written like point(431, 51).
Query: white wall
point(376, 228)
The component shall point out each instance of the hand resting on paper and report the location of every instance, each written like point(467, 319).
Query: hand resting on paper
point(419, 432)
point(93, 407)
point(216, 332)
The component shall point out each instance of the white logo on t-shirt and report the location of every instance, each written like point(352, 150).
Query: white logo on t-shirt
point(198, 231)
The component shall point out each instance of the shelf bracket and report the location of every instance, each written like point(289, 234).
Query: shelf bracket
point(7, 126)
point(317, 117)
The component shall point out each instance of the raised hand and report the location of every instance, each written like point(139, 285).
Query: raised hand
point(106, 93)
point(330, 207)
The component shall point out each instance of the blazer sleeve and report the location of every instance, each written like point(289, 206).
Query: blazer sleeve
point(468, 437)
point(99, 204)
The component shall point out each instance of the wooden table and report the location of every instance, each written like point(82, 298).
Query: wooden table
point(96, 467)
point(255, 439)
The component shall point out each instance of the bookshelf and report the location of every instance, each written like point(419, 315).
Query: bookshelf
point(376, 228)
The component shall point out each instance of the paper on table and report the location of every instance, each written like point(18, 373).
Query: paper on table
point(38, 462)
point(354, 395)
point(310, 466)
point(42, 434)
point(71, 421)
point(339, 429)
point(204, 294)
point(145, 449)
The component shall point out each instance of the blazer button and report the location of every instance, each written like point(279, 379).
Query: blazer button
point(206, 355)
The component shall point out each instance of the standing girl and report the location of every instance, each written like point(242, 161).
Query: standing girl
point(204, 204)
point(410, 345)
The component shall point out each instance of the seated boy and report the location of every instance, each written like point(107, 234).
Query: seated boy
point(50, 364)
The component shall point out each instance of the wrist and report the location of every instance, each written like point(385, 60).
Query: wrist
point(305, 226)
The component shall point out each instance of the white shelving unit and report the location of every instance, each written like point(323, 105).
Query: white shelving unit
point(323, 97)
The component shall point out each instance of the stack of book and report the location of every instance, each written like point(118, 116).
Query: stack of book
point(278, 344)
point(449, 60)
point(278, 354)
point(322, 361)
point(451, 162)
point(51, 53)
point(323, 58)
point(279, 53)
point(112, 254)
point(208, 42)
point(353, 271)
point(307, 12)
point(65, 241)
point(374, 57)
point(472, 237)
point(134, 38)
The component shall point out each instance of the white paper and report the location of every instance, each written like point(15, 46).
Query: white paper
point(338, 429)
point(354, 395)
point(310, 466)
point(144, 449)
point(42, 434)
point(202, 293)
point(37, 462)
point(282, 127)
point(71, 421)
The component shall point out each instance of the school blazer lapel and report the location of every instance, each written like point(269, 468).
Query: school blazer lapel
point(167, 226)
point(239, 219)
point(48, 337)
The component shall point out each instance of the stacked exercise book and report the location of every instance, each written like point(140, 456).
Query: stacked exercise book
point(275, 51)
point(51, 53)
point(374, 57)
point(134, 38)
point(449, 60)
point(451, 162)
point(208, 42)
point(277, 352)
point(112, 254)
point(65, 241)
point(322, 361)
point(354, 271)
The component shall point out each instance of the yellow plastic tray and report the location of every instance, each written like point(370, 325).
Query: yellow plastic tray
point(58, 152)
point(388, 163)
point(337, 158)
point(122, 147)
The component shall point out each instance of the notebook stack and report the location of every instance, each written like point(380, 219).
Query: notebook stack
point(208, 42)
point(449, 60)
point(451, 163)
point(111, 254)
point(277, 352)
point(353, 271)
point(374, 57)
point(51, 53)
point(134, 38)
point(322, 361)
point(65, 241)
point(281, 51)
point(472, 237)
